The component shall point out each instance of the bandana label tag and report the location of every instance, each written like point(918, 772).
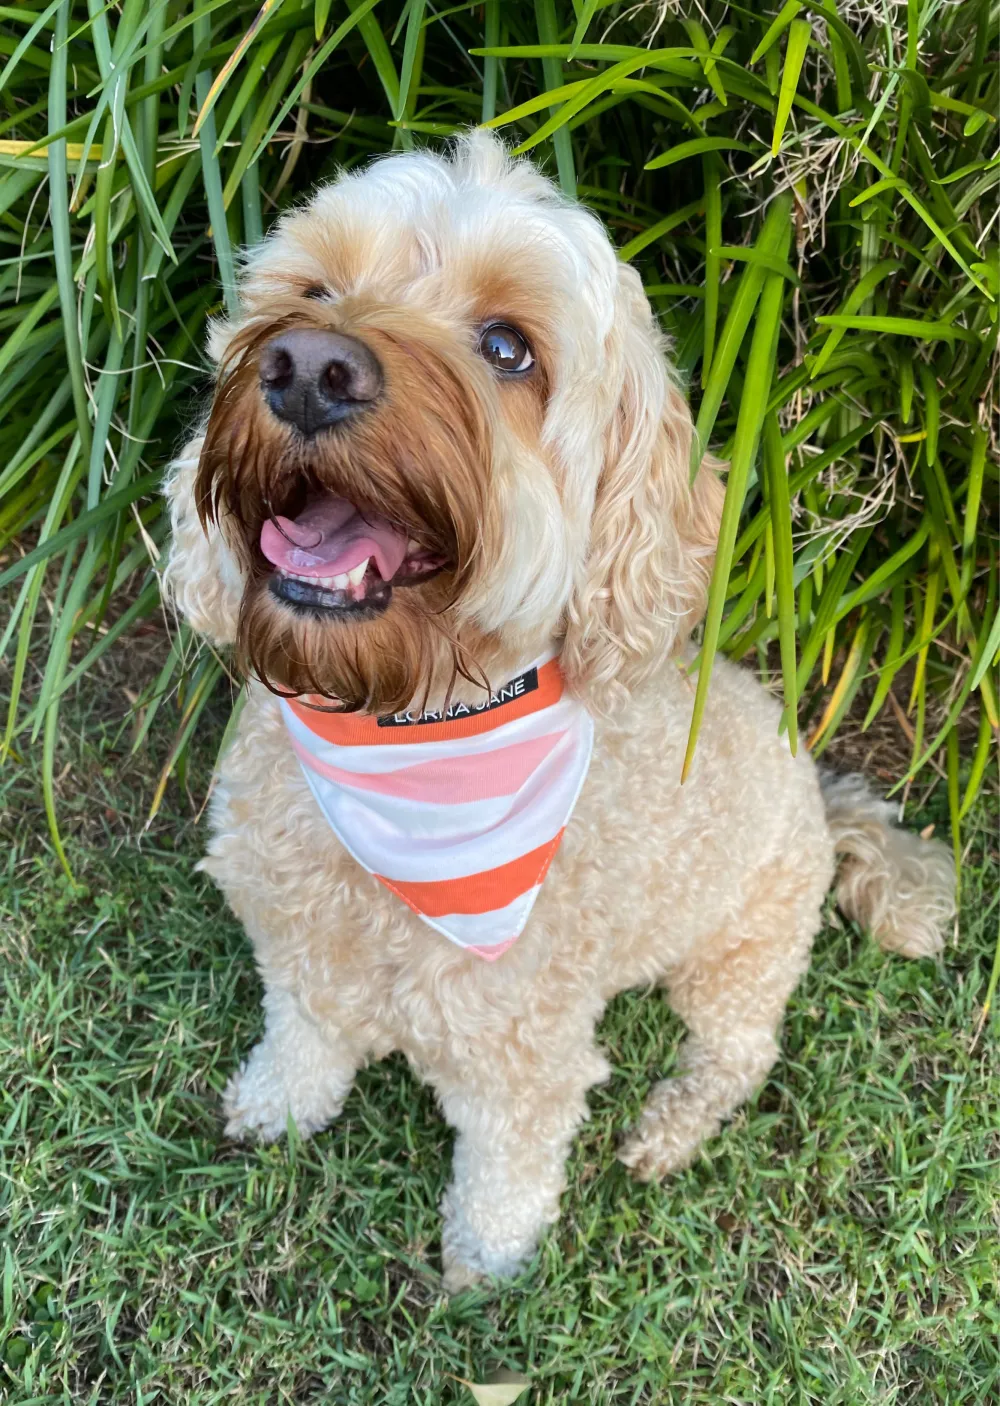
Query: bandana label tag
point(510, 692)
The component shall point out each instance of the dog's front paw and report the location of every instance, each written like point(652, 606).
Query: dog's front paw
point(458, 1276)
point(472, 1255)
point(260, 1097)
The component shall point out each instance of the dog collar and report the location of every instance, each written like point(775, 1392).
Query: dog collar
point(458, 813)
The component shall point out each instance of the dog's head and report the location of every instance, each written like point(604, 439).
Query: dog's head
point(444, 437)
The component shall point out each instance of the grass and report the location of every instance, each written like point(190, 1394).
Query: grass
point(808, 190)
point(837, 1244)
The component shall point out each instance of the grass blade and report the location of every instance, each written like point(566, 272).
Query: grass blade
point(760, 366)
point(781, 528)
point(776, 29)
point(269, 7)
point(548, 33)
point(212, 177)
point(713, 263)
point(491, 65)
point(694, 148)
point(773, 236)
point(414, 31)
point(799, 37)
point(59, 214)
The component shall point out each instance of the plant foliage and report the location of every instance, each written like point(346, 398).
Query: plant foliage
point(809, 192)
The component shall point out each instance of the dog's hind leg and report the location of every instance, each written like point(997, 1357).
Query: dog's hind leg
point(731, 995)
point(296, 1069)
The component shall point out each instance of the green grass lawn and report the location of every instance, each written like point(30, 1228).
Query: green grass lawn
point(837, 1244)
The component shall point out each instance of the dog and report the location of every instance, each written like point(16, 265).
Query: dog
point(442, 498)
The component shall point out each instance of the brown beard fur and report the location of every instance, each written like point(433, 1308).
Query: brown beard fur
point(420, 457)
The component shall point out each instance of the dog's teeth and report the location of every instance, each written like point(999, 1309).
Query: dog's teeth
point(339, 582)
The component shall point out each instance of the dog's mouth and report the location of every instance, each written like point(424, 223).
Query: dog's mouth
point(335, 559)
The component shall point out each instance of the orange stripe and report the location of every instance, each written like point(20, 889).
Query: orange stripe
point(357, 730)
point(477, 893)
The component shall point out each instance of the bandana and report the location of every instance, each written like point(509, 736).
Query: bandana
point(458, 813)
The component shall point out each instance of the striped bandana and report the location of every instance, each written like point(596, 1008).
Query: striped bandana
point(458, 813)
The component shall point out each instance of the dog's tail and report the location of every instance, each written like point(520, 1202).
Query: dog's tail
point(899, 886)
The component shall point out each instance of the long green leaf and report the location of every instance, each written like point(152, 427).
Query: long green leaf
point(773, 237)
point(548, 30)
point(799, 37)
point(694, 148)
point(59, 214)
point(776, 28)
point(748, 427)
point(781, 524)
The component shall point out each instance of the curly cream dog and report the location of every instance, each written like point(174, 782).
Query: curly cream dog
point(448, 352)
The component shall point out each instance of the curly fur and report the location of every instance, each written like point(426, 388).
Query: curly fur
point(890, 881)
point(588, 537)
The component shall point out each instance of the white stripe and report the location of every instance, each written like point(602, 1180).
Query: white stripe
point(383, 830)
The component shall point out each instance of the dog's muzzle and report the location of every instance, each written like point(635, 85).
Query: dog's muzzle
point(314, 379)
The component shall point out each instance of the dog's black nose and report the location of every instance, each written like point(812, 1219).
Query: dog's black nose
point(312, 378)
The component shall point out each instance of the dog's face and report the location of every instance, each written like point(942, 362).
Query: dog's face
point(445, 437)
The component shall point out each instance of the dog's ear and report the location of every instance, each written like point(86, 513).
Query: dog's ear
point(653, 533)
point(201, 575)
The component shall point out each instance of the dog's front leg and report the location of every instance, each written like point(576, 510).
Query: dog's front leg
point(509, 1164)
point(298, 1068)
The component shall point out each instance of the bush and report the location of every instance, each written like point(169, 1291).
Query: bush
point(805, 192)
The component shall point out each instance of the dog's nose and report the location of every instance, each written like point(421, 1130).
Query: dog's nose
point(312, 378)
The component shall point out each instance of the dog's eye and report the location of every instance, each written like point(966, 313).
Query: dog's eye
point(505, 348)
point(315, 290)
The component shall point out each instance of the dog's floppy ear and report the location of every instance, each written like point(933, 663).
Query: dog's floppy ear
point(653, 533)
point(201, 575)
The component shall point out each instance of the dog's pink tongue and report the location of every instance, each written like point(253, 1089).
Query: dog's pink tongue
point(330, 537)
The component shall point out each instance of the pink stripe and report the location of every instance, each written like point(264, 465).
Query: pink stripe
point(490, 954)
point(448, 782)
